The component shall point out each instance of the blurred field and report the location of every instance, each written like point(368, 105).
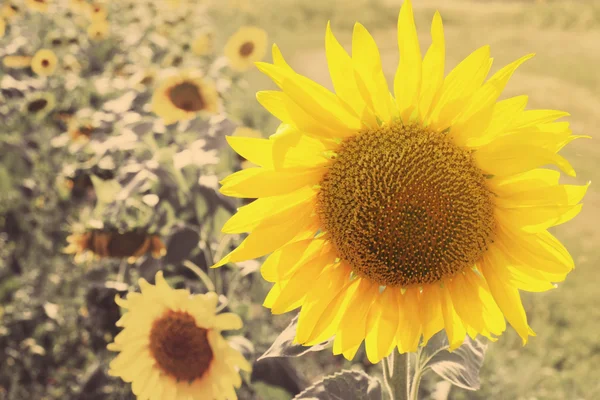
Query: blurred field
point(560, 363)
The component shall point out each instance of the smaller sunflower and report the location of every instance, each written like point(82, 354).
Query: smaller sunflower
point(39, 105)
point(203, 44)
point(245, 47)
point(97, 12)
point(80, 131)
point(38, 5)
point(183, 96)
point(16, 61)
point(171, 345)
point(109, 244)
point(9, 11)
point(44, 62)
point(98, 30)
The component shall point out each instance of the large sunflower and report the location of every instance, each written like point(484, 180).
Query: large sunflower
point(390, 218)
point(171, 345)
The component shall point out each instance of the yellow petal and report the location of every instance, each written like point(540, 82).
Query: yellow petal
point(303, 275)
point(352, 329)
point(433, 65)
point(257, 151)
point(269, 210)
point(536, 219)
point(455, 329)
point(333, 281)
point(505, 294)
point(515, 184)
point(458, 87)
point(477, 114)
point(535, 117)
point(503, 114)
point(367, 62)
point(286, 260)
point(263, 241)
point(341, 71)
point(409, 326)
point(321, 104)
point(492, 315)
point(278, 57)
point(382, 324)
point(510, 160)
point(407, 81)
point(559, 195)
point(430, 305)
point(228, 321)
point(262, 182)
point(282, 106)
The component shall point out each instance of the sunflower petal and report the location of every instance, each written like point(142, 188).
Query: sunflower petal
point(455, 329)
point(409, 326)
point(382, 324)
point(433, 65)
point(431, 311)
point(407, 81)
point(262, 182)
point(257, 151)
point(367, 62)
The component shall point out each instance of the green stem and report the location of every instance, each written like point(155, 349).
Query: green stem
point(396, 374)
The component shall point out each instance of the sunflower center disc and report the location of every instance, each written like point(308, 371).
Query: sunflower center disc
point(246, 49)
point(404, 206)
point(186, 96)
point(180, 348)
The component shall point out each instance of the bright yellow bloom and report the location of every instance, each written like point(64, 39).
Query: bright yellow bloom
point(171, 345)
point(203, 44)
point(184, 96)
point(44, 62)
point(390, 218)
point(98, 29)
point(245, 47)
point(38, 5)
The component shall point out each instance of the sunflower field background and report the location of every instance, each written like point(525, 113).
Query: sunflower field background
point(98, 188)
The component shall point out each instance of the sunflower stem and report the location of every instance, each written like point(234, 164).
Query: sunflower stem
point(396, 374)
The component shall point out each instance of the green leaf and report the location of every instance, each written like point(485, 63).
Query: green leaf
point(346, 385)
point(106, 191)
point(460, 367)
point(284, 345)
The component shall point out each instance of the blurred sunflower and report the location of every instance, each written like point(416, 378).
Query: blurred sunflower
point(98, 30)
point(2, 27)
point(390, 219)
point(171, 345)
point(78, 5)
point(246, 46)
point(111, 244)
point(9, 10)
point(203, 44)
point(39, 104)
point(38, 5)
point(97, 12)
point(16, 61)
point(184, 96)
point(80, 131)
point(44, 62)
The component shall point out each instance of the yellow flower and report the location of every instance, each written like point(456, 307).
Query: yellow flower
point(171, 345)
point(203, 44)
point(39, 105)
point(97, 12)
point(128, 245)
point(390, 218)
point(98, 30)
point(246, 46)
point(2, 27)
point(9, 10)
point(184, 96)
point(38, 5)
point(44, 62)
point(16, 61)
